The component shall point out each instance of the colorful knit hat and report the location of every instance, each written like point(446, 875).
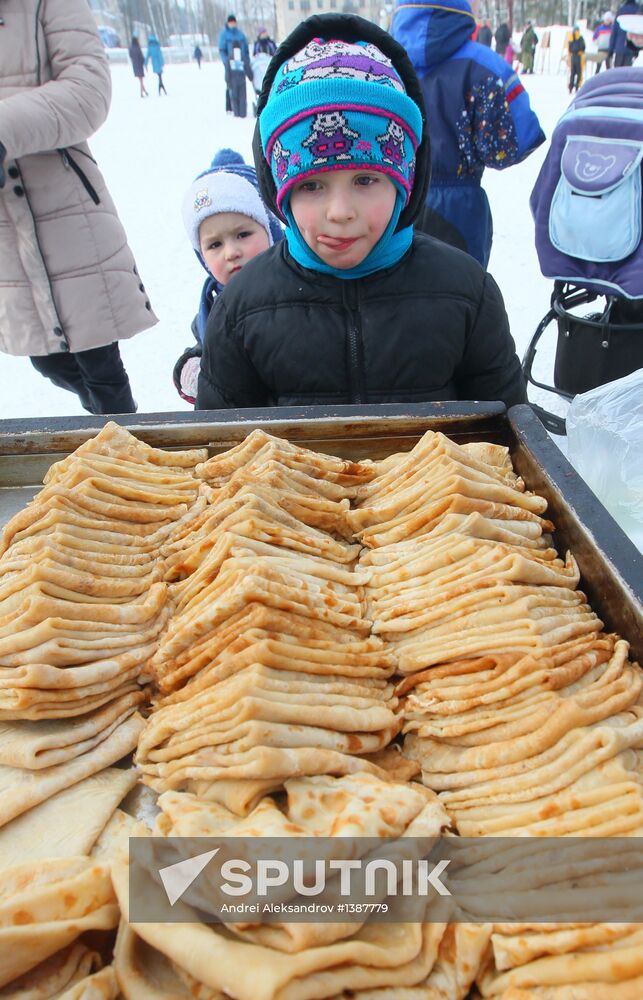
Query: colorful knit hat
point(339, 105)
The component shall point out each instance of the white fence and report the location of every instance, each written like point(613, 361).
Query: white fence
point(172, 54)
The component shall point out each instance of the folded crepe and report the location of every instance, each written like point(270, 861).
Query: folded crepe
point(33, 705)
point(22, 789)
point(609, 966)
point(460, 955)
point(221, 467)
point(260, 694)
point(579, 752)
point(145, 973)
point(432, 450)
point(630, 989)
point(461, 686)
point(55, 976)
point(281, 640)
point(511, 950)
point(101, 985)
point(86, 677)
point(267, 762)
point(116, 442)
point(523, 531)
point(377, 955)
point(68, 823)
point(352, 808)
point(37, 745)
point(46, 907)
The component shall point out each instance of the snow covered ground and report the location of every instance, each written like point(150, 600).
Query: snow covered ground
point(149, 151)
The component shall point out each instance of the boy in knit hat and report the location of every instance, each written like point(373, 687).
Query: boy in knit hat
point(227, 225)
point(352, 307)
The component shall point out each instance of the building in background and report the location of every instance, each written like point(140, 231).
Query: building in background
point(168, 19)
point(172, 20)
point(290, 12)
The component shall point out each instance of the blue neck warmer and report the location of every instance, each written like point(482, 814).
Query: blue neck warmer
point(390, 248)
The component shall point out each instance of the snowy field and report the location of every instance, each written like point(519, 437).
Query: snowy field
point(150, 150)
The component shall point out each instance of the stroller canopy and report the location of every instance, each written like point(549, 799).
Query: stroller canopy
point(259, 65)
point(587, 202)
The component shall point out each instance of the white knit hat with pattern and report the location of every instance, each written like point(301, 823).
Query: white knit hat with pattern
point(217, 192)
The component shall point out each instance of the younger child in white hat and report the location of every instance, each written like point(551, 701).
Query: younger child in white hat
point(227, 224)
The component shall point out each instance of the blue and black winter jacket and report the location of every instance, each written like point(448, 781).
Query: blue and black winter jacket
point(477, 109)
point(618, 38)
point(229, 40)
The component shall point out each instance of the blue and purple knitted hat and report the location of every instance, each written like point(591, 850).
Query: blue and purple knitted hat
point(339, 105)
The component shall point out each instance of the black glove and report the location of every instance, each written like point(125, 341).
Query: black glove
point(3, 153)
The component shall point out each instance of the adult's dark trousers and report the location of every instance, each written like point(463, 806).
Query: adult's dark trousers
point(625, 58)
point(98, 378)
point(574, 78)
point(237, 88)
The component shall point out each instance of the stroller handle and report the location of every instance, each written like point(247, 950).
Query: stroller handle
point(551, 421)
point(530, 355)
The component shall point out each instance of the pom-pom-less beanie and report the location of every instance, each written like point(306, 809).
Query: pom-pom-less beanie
point(230, 185)
point(339, 105)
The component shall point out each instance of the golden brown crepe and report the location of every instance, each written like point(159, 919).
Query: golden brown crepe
point(54, 976)
point(45, 907)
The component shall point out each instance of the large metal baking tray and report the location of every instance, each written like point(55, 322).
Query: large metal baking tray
point(611, 567)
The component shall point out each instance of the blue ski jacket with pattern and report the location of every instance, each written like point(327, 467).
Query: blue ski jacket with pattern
point(477, 109)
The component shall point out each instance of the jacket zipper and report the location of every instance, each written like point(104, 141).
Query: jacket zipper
point(354, 335)
point(89, 188)
point(352, 339)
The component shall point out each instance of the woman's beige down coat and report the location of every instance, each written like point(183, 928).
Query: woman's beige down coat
point(68, 280)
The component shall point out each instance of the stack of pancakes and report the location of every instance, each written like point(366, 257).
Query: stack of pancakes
point(271, 593)
point(267, 666)
point(83, 605)
point(523, 714)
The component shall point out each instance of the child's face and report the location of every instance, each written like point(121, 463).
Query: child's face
point(228, 241)
point(342, 214)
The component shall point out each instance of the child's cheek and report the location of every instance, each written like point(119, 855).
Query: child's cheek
point(306, 220)
point(216, 267)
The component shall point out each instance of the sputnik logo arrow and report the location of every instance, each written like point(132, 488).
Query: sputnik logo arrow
point(179, 877)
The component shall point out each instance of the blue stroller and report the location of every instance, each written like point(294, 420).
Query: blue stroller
point(259, 65)
point(588, 208)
